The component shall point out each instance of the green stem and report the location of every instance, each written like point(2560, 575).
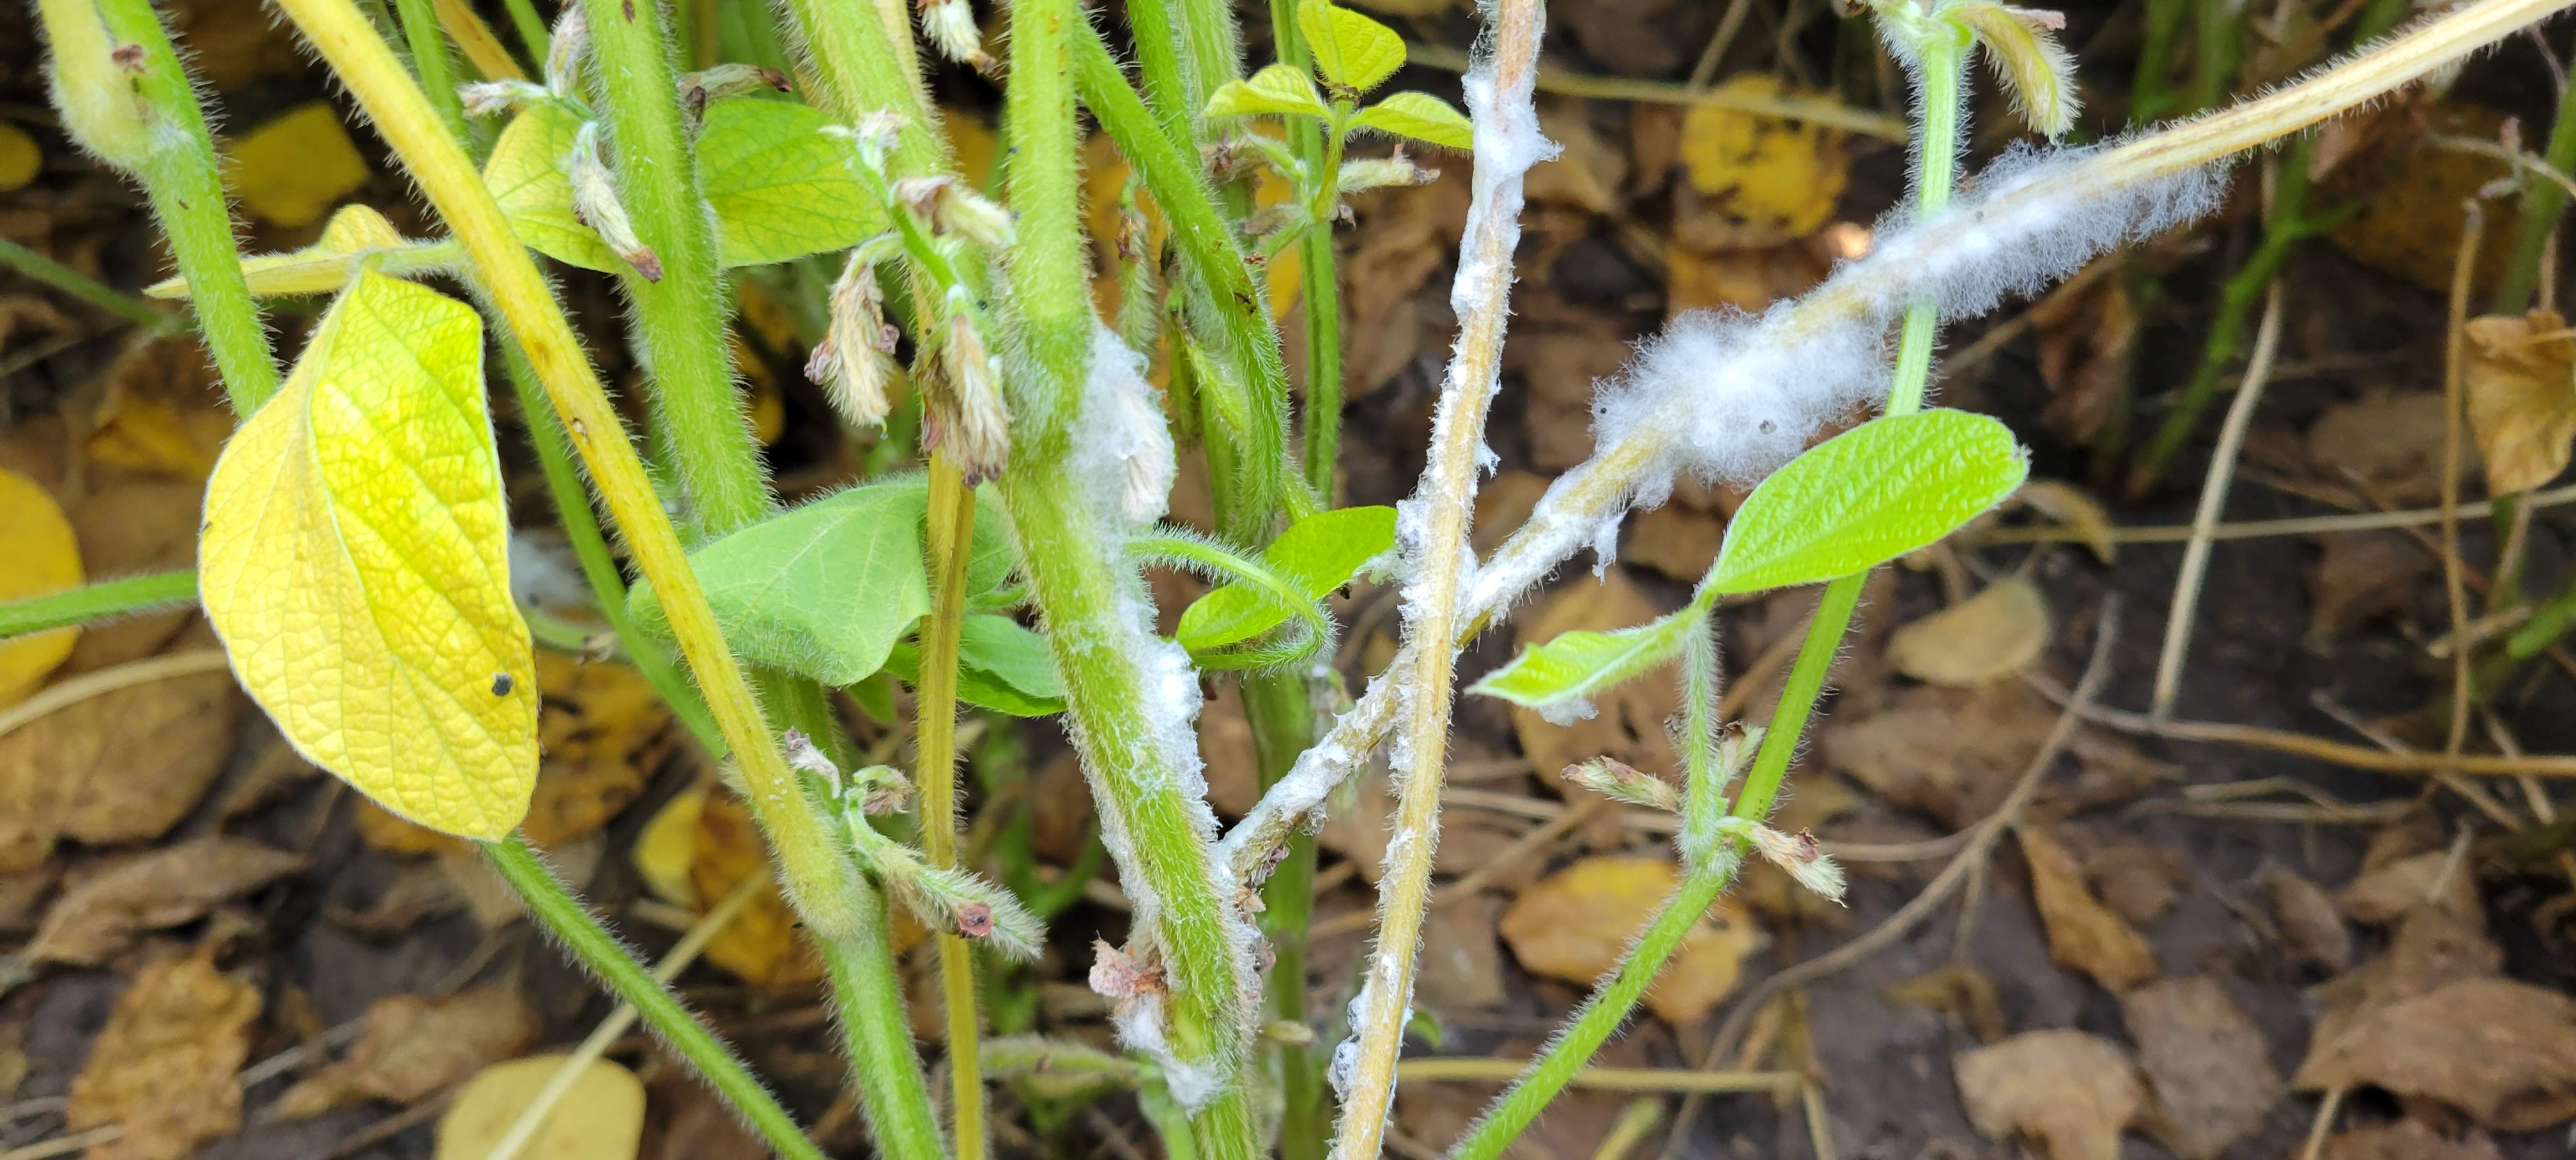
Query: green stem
point(553, 906)
point(88, 289)
point(1280, 709)
point(1943, 58)
point(431, 63)
point(1207, 242)
point(145, 120)
point(533, 35)
point(2542, 202)
point(1164, 67)
point(2148, 97)
point(590, 548)
point(2219, 349)
point(1599, 1019)
point(1321, 152)
point(864, 70)
point(951, 535)
point(878, 1034)
point(680, 318)
point(2214, 65)
point(125, 596)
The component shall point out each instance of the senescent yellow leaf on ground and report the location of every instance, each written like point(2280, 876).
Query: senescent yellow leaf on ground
point(293, 169)
point(355, 562)
point(38, 554)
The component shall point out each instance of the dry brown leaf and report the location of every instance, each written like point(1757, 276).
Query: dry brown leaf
point(123, 766)
point(685, 1121)
point(2521, 386)
point(2389, 440)
point(2411, 221)
point(100, 916)
point(2388, 892)
point(1404, 238)
point(2504, 1052)
point(1560, 364)
point(2312, 926)
point(167, 1064)
point(413, 1046)
point(145, 525)
point(1630, 722)
point(2138, 880)
point(1586, 172)
point(2088, 336)
point(13, 1059)
point(2360, 576)
point(1462, 957)
point(420, 892)
point(2070, 1091)
point(163, 414)
point(2083, 934)
point(1676, 541)
point(761, 945)
point(2208, 1068)
point(1574, 924)
point(1232, 765)
point(2408, 1140)
point(1952, 753)
point(1503, 503)
point(1977, 641)
point(2433, 948)
point(1962, 990)
point(2074, 509)
point(1755, 180)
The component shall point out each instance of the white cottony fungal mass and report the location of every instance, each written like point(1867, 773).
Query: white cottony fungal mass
point(1747, 393)
point(1122, 451)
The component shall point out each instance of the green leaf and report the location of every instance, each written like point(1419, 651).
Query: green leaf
point(1867, 496)
point(823, 590)
point(779, 187)
point(1421, 117)
point(1314, 556)
point(1351, 50)
point(993, 558)
point(1561, 677)
point(1000, 666)
point(1278, 89)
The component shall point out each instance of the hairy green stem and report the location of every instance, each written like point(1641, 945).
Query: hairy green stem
point(427, 45)
point(100, 600)
point(2542, 202)
point(951, 535)
point(531, 27)
point(1206, 239)
point(679, 319)
point(878, 1035)
point(88, 289)
point(553, 907)
point(2214, 63)
point(126, 97)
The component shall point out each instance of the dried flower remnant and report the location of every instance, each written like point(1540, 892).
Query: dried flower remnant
point(595, 202)
point(854, 364)
point(950, 25)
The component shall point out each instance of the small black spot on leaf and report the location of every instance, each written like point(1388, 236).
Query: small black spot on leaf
point(502, 684)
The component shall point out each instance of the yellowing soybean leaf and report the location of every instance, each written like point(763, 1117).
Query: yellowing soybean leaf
point(779, 187)
point(1351, 50)
point(1561, 677)
point(293, 168)
point(1756, 179)
point(20, 158)
point(1867, 496)
point(1421, 117)
point(38, 554)
point(354, 234)
point(824, 589)
point(355, 562)
point(1278, 89)
point(1314, 556)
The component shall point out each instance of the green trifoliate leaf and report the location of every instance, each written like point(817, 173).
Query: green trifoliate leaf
point(1560, 678)
point(1867, 496)
point(1314, 556)
point(823, 590)
point(780, 188)
point(1351, 50)
point(1420, 117)
point(1278, 89)
point(1000, 666)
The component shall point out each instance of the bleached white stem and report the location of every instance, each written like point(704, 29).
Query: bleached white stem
point(1432, 529)
point(1635, 465)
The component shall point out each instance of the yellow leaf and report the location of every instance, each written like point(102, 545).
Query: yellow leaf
point(355, 236)
point(1574, 924)
point(599, 1117)
point(2521, 382)
point(294, 168)
point(38, 554)
point(21, 159)
point(1756, 180)
point(668, 846)
point(1984, 638)
point(355, 561)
